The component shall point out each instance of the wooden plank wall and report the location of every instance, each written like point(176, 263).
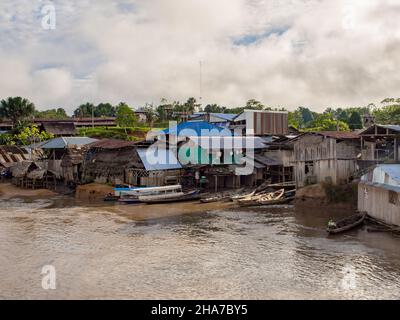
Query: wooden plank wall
point(375, 201)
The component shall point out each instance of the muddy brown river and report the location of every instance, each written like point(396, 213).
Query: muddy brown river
point(188, 251)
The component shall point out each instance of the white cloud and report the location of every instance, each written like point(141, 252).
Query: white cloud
point(294, 52)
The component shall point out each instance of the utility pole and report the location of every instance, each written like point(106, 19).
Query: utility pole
point(93, 117)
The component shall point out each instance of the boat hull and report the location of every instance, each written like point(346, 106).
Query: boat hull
point(191, 196)
point(347, 224)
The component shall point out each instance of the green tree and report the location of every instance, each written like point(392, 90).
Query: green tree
point(306, 115)
point(84, 110)
point(214, 108)
point(57, 114)
point(253, 104)
point(6, 139)
point(164, 110)
point(190, 105)
point(17, 109)
point(355, 121)
point(295, 119)
point(150, 114)
point(326, 122)
point(105, 110)
point(388, 115)
point(126, 117)
point(32, 134)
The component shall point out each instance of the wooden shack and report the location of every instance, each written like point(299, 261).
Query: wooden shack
point(158, 167)
point(379, 144)
point(107, 160)
point(71, 164)
point(21, 170)
point(327, 156)
point(59, 128)
point(9, 156)
point(379, 194)
point(40, 179)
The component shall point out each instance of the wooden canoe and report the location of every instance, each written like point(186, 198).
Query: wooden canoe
point(255, 200)
point(347, 224)
point(178, 197)
point(283, 200)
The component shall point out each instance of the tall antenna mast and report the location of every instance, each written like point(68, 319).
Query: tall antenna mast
point(201, 83)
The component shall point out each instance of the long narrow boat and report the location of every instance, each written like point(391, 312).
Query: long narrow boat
point(131, 195)
point(171, 197)
point(255, 200)
point(240, 197)
point(221, 197)
point(215, 199)
point(346, 224)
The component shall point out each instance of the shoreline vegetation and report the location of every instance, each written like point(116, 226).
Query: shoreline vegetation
point(134, 123)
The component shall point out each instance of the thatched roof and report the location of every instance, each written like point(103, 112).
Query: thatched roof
point(37, 174)
point(21, 169)
point(60, 128)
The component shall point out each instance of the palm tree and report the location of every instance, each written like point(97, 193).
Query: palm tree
point(16, 109)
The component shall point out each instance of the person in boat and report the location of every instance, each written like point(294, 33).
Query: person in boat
point(332, 224)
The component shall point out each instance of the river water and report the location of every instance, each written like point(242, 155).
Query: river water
point(123, 252)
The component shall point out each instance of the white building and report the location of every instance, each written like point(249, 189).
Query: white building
point(379, 193)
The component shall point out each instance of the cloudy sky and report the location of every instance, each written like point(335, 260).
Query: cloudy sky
point(316, 53)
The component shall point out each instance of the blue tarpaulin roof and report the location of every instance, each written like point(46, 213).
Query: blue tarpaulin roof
point(198, 128)
point(158, 159)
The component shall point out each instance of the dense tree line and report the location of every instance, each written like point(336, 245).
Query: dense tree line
point(20, 111)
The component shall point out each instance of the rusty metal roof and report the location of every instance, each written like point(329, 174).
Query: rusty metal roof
point(111, 144)
point(339, 134)
point(12, 154)
point(60, 128)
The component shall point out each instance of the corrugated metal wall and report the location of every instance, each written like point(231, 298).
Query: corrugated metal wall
point(268, 123)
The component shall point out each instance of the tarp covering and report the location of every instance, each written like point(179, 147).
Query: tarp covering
point(197, 129)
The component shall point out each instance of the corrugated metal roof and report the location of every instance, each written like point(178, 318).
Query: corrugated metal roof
point(12, 154)
point(63, 142)
point(59, 128)
point(252, 162)
point(391, 127)
point(198, 128)
point(225, 116)
point(229, 142)
point(111, 144)
point(387, 174)
point(393, 171)
point(155, 159)
point(339, 134)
